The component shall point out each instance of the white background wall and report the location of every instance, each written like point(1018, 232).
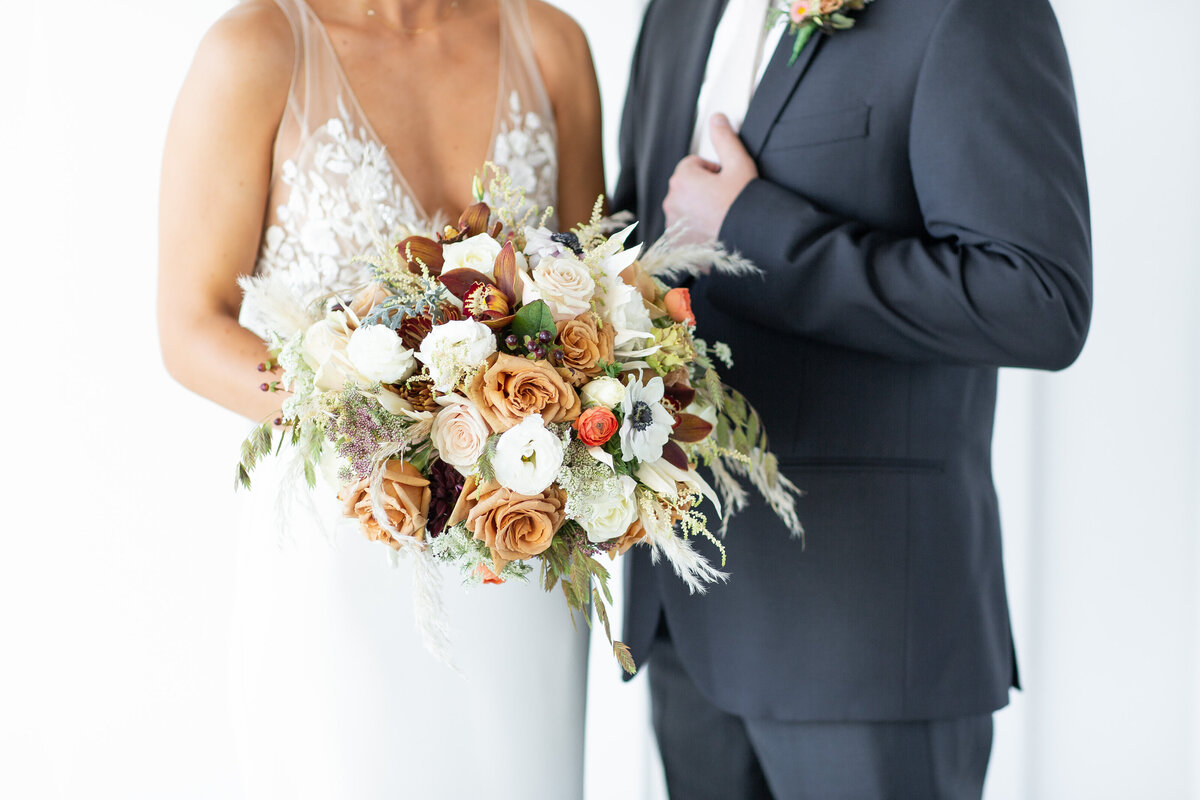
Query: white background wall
point(115, 549)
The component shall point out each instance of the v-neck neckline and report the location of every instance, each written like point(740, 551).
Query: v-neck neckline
point(365, 120)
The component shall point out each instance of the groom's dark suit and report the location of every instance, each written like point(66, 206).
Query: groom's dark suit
point(921, 218)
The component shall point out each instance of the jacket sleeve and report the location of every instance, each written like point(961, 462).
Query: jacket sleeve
point(1001, 275)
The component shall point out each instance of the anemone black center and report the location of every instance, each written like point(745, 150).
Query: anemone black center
point(641, 416)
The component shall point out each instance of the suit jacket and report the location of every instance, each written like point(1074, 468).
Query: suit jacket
point(921, 218)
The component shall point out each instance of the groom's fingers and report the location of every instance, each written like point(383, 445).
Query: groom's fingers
point(729, 147)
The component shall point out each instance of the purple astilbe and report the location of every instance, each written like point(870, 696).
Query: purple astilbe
point(359, 429)
point(445, 486)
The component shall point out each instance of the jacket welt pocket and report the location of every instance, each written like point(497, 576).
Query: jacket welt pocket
point(829, 464)
point(823, 128)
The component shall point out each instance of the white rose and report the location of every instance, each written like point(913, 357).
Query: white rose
point(324, 350)
point(454, 348)
point(607, 392)
point(610, 515)
point(379, 354)
point(564, 284)
point(459, 432)
point(477, 253)
point(528, 457)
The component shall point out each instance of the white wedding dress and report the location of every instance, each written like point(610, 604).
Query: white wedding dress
point(334, 694)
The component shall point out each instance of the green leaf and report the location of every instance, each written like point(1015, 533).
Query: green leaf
point(533, 318)
point(602, 614)
point(310, 474)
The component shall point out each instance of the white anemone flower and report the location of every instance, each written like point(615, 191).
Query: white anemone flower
point(647, 425)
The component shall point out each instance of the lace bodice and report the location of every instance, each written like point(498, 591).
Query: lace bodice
point(335, 190)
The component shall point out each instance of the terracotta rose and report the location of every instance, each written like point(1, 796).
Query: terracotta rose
point(512, 388)
point(513, 526)
point(635, 534)
point(584, 345)
point(405, 503)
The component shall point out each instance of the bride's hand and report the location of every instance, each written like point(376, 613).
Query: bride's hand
point(701, 192)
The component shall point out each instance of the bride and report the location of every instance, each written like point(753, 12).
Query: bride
point(304, 131)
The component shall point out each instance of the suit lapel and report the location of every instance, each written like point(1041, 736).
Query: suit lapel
point(692, 67)
point(778, 83)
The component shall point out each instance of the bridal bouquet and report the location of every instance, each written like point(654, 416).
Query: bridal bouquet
point(501, 396)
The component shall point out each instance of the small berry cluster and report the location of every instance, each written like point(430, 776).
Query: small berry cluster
point(538, 347)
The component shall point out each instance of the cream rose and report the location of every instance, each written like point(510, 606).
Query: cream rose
point(478, 253)
point(453, 349)
point(607, 392)
point(459, 432)
point(564, 284)
point(324, 350)
point(377, 352)
point(528, 456)
point(610, 515)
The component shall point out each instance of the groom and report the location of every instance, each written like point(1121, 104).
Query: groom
point(913, 190)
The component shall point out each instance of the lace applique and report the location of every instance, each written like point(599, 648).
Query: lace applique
point(344, 200)
point(526, 148)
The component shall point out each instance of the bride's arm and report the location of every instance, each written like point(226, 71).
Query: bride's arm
point(566, 65)
point(215, 180)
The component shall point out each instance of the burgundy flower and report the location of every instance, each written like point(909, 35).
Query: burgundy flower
point(446, 484)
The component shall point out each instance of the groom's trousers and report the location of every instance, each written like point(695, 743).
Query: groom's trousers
point(710, 754)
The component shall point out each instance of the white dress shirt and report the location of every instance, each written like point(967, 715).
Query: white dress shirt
point(741, 49)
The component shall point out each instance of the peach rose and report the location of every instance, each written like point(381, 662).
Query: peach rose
point(584, 345)
point(405, 503)
point(372, 295)
point(511, 388)
point(679, 305)
point(830, 6)
point(596, 426)
point(621, 545)
point(513, 526)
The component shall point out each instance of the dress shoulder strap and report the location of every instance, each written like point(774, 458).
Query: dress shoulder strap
point(520, 66)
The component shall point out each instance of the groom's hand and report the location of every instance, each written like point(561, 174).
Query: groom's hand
point(701, 192)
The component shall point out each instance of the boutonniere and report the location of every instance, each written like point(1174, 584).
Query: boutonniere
point(806, 17)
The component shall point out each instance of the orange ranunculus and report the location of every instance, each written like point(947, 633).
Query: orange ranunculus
point(596, 426)
point(679, 305)
point(405, 503)
point(513, 526)
point(511, 388)
point(486, 575)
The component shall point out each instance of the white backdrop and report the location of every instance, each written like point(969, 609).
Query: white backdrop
point(116, 556)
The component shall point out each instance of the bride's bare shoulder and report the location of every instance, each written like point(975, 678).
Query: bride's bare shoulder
point(251, 47)
point(562, 48)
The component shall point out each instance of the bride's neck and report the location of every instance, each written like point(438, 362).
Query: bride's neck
point(407, 15)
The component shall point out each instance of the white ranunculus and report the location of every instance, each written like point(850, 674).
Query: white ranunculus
point(528, 457)
point(647, 425)
point(607, 392)
point(454, 348)
point(564, 284)
point(379, 354)
point(610, 515)
point(324, 350)
point(459, 432)
point(477, 253)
